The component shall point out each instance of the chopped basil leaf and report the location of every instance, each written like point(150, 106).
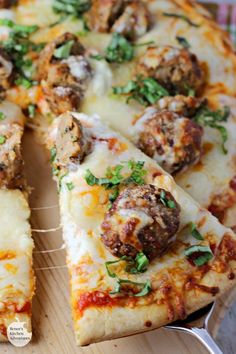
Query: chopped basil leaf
point(143, 44)
point(21, 81)
point(53, 154)
point(71, 7)
point(114, 178)
point(70, 186)
point(142, 262)
point(145, 287)
point(194, 232)
point(21, 30)
point(17, 45)
point(2, 139)
point(182, 17)
point(96, 57)
point(2, 116)
point(144, 90)
point(31, 110)
point(183, 42)
point(63, 52)
point(204, 254)
point(205, 116)
point(166, 202)
point(119, 50)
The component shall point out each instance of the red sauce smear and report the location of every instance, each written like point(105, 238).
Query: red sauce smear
point(95, 298)
point(3, 330)
point(25, 308)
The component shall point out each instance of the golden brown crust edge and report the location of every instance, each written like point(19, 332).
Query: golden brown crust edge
point(110, 323)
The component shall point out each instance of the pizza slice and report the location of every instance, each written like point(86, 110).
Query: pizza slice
point(140, 251)
point(16, 245)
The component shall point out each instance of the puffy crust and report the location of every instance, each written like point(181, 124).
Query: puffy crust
point(139, 221)
point(176, 69)
point(172, 140)
point(96, 325)
point(130, 18)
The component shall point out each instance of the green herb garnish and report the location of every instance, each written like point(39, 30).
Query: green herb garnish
point(2, 116)
point(63, 52)
point(194, 232)
point(166, 202)
point(209, 118)
point(2, 139)
point(203, 254)
point(183, 42)
point(17, 46)
point(71, 7)
point(53, 154)
point(70, 186)
point(144, 90)
point(145, 287)
point(140, 265)
point(31, 110)
point(119, 50)
point(113, 177)
point(182, 17)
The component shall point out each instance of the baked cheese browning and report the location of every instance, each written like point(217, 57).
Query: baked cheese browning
point(71, 145)
point(130, 18)
point(186, 106)
point(64, 72)
point(172, 140)
point(223, 201)
point(139, 222)
point(177, 69)
point(11, 163)
point(5, 4)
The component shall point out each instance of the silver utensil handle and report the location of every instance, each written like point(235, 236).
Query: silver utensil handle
point(206, 339)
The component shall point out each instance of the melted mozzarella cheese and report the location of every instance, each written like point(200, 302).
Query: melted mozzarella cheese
point(16, 247)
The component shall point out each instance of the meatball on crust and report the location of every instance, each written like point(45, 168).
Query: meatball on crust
point(172, 140)
point(139, 222)
point(64, 80)
point(178, 70)
point(70, 142)
point(128, 17)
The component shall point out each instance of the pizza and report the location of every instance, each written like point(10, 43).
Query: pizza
point(141, 251)
point(16, 244)
point(144, 94)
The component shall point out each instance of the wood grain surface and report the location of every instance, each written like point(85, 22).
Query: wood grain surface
point(52, 324)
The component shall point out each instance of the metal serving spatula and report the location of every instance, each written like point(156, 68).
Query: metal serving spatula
point(197, 325)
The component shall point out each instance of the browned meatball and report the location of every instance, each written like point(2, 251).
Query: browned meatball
point(128, 17)
point(11, 162)
point(173, 141)
point(6, 69)
point(70, 144)
point(139, 221)
point(178, 70)
point(64, 80)
point(186, 106)
point(5, 4)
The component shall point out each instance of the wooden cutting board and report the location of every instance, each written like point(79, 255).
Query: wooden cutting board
point(52, 324)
